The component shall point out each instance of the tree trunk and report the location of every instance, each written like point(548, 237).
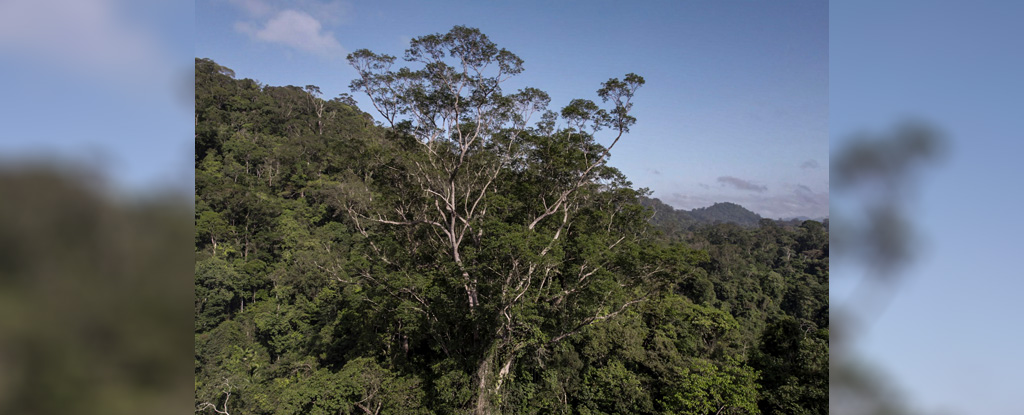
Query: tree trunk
point(491, 379)
point(483, 398)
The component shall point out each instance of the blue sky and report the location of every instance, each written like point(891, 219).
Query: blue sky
point(951, 335)
point(101, 82)
point(736, 102)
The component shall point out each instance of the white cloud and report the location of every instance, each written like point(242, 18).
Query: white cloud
point(93, 37)
point(292, 23)
point(296, 29)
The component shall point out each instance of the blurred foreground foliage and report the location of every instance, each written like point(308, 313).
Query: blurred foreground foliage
point(876, 178)
point(94, 295)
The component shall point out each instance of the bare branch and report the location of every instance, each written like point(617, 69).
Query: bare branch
point(591, 320)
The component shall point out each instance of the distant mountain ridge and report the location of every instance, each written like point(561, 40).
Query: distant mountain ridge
point(666, 216)
point(672, 220)
point(726, 212)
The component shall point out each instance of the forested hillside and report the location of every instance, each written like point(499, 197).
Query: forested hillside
point(475, 254)
point(673, 221)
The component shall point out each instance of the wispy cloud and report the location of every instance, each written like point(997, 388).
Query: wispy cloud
point(810, 164)
point(94, 37)
point(293, 24)
point(742, 184)
point(296, 29)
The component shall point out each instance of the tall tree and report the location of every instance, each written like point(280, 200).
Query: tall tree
point(528, 221)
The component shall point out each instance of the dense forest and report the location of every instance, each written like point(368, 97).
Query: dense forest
point(473, 252)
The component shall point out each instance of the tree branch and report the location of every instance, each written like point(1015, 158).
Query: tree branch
point(591, 320)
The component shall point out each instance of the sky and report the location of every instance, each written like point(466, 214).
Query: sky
point(735, 108)
point(950, 335)
point(103, 83)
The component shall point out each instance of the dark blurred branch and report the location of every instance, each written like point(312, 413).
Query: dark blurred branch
point(875, 178)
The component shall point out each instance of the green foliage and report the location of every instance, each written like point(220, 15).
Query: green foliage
point(460, 260)
point(706, 388)
point(793, 359)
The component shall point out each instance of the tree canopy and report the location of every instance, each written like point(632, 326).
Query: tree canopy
point(475, 253)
